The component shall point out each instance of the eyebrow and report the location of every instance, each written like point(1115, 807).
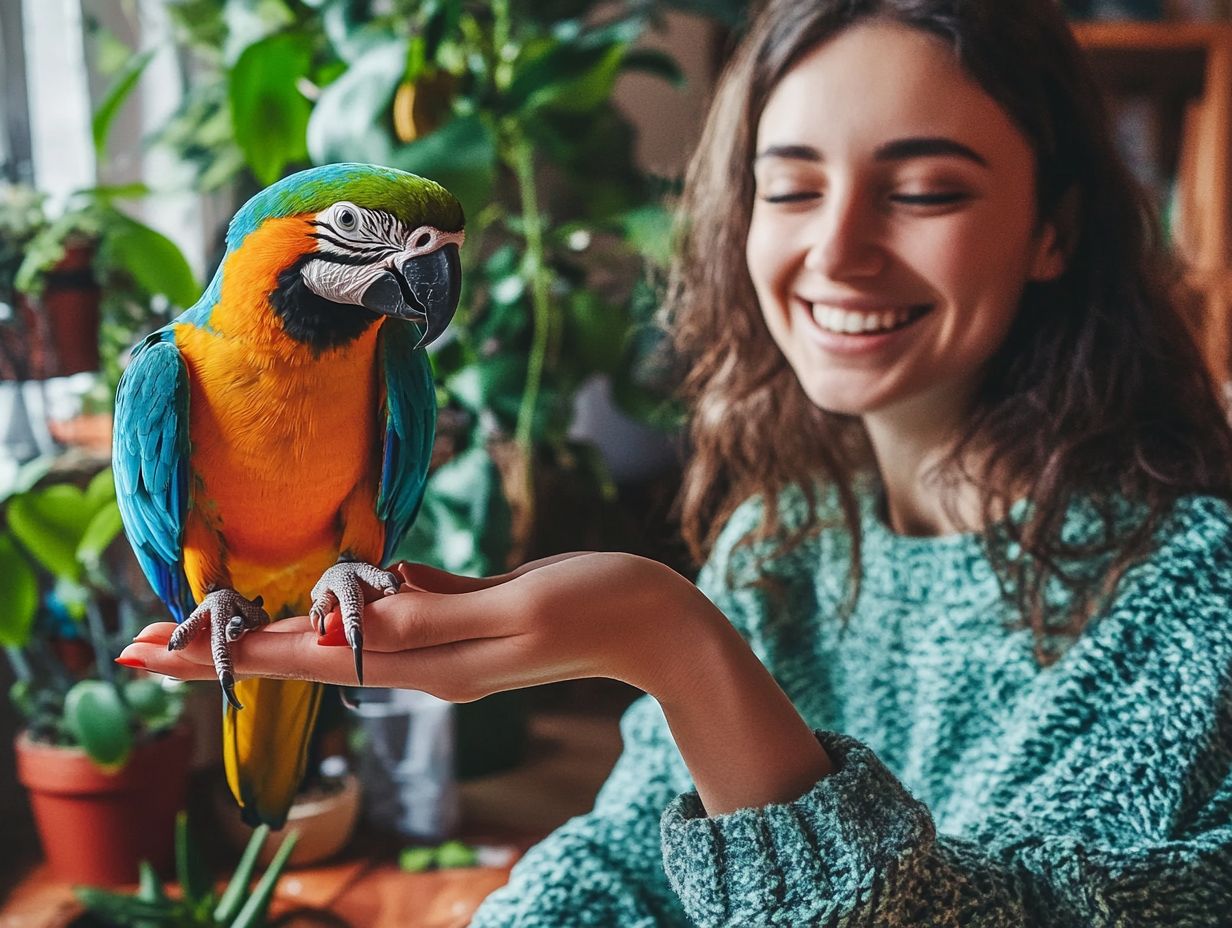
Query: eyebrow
point(897, 150)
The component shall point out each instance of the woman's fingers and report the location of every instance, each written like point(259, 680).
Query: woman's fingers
point(450, 671)
point(402, 622)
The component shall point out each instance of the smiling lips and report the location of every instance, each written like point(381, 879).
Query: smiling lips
point(872, 321)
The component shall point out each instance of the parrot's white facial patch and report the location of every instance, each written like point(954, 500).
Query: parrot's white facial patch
point(358, 245)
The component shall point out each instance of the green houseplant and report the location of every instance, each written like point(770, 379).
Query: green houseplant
point(196, 905)
point(101, 753)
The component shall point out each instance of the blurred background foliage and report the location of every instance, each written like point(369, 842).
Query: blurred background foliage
point(509, 104)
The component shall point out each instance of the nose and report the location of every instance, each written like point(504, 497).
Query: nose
point(845, 238)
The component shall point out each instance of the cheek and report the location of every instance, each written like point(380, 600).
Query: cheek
point(763, 258)
point(973, 264)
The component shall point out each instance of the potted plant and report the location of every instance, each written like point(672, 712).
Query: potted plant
point(195, 905)
point(77, 289)
point(101, 754)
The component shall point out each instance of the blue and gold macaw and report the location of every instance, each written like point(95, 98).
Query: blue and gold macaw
point(272, 443)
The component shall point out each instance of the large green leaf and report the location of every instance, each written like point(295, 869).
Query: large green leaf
point(648, 229)
point(493, 383)
point(460, 155)
point(464, 524)
point(20, 588)
point(250, 21)
point(573, 77)
point(595, 331)
point(154, 261)
point(351, 120)
point(49, 524)
point(101, 531)
point(99, 720)
point(269, 113)
point(101, 489)
point(115, 97)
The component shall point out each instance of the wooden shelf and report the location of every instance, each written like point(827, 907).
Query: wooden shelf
point(1158, 36)
point(1185, 70)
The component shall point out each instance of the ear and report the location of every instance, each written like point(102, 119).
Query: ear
point(1054, 242)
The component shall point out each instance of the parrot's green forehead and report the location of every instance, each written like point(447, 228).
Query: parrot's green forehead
point(411, 199)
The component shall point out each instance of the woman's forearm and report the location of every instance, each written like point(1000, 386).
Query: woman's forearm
point(742, 739)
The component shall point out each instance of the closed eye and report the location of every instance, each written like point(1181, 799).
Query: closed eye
point(929, 199)
point(791, 197)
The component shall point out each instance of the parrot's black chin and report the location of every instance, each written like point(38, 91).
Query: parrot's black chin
point(310, 318)
point(425, 290)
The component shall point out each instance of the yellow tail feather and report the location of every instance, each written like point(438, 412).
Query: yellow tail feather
point(265, 745)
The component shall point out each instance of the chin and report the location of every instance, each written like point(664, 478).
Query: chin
point(841, 399)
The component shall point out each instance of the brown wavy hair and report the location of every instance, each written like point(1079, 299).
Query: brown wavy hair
point(1099, 385)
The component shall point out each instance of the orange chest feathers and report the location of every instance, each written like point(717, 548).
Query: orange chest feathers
point(281, 438)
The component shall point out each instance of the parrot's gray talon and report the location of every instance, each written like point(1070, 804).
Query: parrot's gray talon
point(347, 701)
point(356, 638)
point(342, 587)
point(227, 679)
point(228, 616)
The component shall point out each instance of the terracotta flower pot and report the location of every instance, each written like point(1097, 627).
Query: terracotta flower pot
point(71, 302)
point(96, 827)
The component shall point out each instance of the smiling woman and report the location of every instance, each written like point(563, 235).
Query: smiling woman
point(890, 241)
point(963, 488)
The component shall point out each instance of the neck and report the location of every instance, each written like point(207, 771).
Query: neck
point(910, 441)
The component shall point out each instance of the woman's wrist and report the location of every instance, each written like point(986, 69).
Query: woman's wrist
point(742, 739)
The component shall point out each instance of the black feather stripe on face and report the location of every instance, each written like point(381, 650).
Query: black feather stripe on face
point(370, 253)
point(311, 319)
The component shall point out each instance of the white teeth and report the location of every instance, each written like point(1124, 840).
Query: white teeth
point(850, 322)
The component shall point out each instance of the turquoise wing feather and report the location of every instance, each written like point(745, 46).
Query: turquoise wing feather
point(410, 428)
point(150, 454)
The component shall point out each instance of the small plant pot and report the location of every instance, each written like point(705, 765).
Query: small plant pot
point(325, 819)
point(96, 827)
point(71, 303)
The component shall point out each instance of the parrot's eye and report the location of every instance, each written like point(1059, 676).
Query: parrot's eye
point(346, 217)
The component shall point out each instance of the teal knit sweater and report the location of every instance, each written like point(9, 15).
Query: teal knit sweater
point(972, 787)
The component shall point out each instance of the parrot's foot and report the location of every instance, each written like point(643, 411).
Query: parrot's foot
point(342, 587)
point(229, 615)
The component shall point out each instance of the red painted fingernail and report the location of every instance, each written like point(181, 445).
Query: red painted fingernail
point(130, 661)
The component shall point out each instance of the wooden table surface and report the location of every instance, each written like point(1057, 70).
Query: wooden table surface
point(569, 755)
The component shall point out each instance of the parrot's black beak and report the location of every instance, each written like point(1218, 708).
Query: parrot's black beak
point(425, 290)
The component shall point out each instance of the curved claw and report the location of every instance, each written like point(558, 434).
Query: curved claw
point(357, 648)
point(347, 701)
point(227, 679)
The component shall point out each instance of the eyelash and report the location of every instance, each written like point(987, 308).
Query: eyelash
point(923, 199)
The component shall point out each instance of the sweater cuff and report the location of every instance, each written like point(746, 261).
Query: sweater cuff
point(814, 859)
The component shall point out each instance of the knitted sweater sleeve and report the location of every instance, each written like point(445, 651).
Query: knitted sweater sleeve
point(858, 850)
point(1121, 814)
